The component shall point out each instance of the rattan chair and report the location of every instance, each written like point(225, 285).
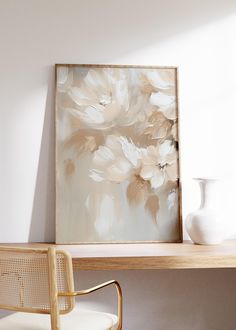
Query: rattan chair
point(36, 282)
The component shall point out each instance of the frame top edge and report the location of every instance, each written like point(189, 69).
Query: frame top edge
point(116, 66)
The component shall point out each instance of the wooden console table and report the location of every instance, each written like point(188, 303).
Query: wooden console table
point(147, 256)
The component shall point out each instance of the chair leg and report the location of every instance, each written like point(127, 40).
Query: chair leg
point(55, 319)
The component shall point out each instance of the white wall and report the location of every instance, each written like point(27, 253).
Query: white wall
point(199, 37)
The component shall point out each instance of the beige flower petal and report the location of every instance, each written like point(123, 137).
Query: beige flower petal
point(92, 115)
point(171, 185)
point(158, 126)
point(161, 100)
point(170, 111)
point(96, 175)
point(110, 112)
point(69, 168)
point(95, 82)
point(64, 79)
point(113, 142)
point(172, 157)
point(158, 80)
point(166, 148)
point(158, 179)
point(160, 132)
point(122, 93)
point(103, 156)
point(82, 143)
point(62, 75)
point(82, 96)
point(172, 172)
point(152, 206)
point(131, 152)
point(137, 191)
point(147, 172)
point(119, 171)
point(149, 155)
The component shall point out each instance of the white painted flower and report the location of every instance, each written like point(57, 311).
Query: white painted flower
point(161, 88)
point(104, 99)
point(158, 126)
point(162, 80)
point(116, 161)
point(165, 103)
point(101, 208)
point(119, 160)
point(171, 199)
point(64, 78)
point(159, 164)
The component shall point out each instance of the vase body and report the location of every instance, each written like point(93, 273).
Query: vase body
point(204, 225)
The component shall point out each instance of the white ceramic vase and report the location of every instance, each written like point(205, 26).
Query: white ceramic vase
point(204, 225)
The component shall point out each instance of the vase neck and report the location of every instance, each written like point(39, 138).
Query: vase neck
point(207, 188)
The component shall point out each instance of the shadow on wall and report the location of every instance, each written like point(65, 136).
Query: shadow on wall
point(43, 211)
point(167, 299)
point(116, 28)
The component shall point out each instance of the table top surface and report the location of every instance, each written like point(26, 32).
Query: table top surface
point(146, 256)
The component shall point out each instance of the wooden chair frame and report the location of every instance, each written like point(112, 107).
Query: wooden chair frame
point(53, 290)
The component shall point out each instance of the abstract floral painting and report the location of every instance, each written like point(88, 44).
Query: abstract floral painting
point(117, 164)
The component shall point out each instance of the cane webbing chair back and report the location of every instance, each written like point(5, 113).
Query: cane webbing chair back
point(24, 280)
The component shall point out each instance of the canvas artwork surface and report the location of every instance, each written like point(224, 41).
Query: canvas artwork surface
point(117, 164)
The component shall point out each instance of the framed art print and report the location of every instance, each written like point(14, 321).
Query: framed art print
point(117, 157)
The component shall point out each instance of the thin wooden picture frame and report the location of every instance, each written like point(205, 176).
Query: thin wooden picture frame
point(72, 76)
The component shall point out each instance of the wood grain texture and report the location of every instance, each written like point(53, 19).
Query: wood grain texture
point(147, 256)
point(55, 320)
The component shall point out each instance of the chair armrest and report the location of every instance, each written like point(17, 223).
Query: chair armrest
point(98, 287)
